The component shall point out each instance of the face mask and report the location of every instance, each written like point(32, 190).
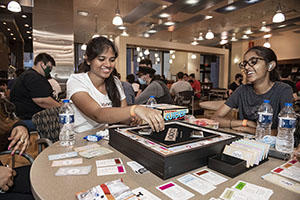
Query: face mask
point(142, 81)
point(47, 71)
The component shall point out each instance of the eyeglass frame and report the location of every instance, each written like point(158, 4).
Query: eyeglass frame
point(248, 63)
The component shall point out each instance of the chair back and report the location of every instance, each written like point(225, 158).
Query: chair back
point(186, 98)
point(47, 123)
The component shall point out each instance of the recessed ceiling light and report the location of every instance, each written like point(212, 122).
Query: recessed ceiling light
point(245, 37)
point(26, 25)
point(230, 8)
point(194, 43)
point(191, 1)
point(252, 1)
point(14, 38)
point(268, 35)
point(122, 27)
point(169, 23)
point(2, 6)
point(281, 26)
point(248, 31)
point(208, 17)
point(8, 29)
point(29, 37)
point(24, 16)
point(28, 32)
point(11, 34)
point(152, 31)
point(4, 23)
point(164, 15)
point(83, 13)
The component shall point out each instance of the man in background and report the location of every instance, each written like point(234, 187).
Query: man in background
point(32, 92)
point(238, 80)
point(179, 86)
point(195, 85)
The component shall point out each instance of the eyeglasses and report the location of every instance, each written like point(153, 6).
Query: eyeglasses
point(251, 62)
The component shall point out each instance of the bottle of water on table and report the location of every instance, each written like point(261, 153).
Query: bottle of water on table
point(264, 122)
point(66, 120)
point(286, 128)
point(151, 102)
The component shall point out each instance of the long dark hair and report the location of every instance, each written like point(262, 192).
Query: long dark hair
point(268, 55)
point(95, 47)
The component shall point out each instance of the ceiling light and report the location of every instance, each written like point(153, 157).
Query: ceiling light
point(194, 42)
point(268, 35)
point(279, 16)
point(83, 47)
point(170, 61)
point(83, 13)
point(4, 23)
point(252, 1)
point(28, 32)
point(104, 36)
point(200, 36)
point(14, 38)
point(169, 23)
point(245, 37)
point(191, 1)
point(224, 35)
point(2, 6)
point(172, 51)
point(173, 56)
point(11, 34)
point(26, 25)
point(267, 44)
point(236, 60)
point(147, 52)
point(143, 58)
point(208, 17)
point(122, 27)
point(222, 42)
point(8, 29)
point(146, 35)
point(30, 37)
point(124, 33)
point(193, 56)
point(157, 59)
point(164, 6)
point(138, 59)
point(282, 25)
point(230, 8)
point(156, 55)
point(95, 35)
point(233, 39)
point(268, 29)
point(152, 31)
point(138, 48)
point(141, 54)
point(117, 20)
point(248, 31)
point(164, 15)
point(14, 6)
point(209, 35)
point(111, 38)
point(24, 16)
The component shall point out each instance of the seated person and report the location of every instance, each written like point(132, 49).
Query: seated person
point(285, 76)
point(238, 80)
point(259, 65)
point(98, 96)
point(32, 92)
point(179, 86)
point(196, 85)
point(131, 79)
point(14, 183)
point(155, 88)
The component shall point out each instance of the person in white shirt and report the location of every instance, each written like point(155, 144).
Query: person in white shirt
point(98, 96)
point(179, 86)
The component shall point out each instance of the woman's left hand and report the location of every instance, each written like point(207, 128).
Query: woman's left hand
point(135, 121)
point(19, 139)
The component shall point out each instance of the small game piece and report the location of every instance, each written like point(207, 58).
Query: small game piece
point(171, 134)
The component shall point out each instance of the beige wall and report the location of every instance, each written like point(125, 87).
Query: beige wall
point(180, 63)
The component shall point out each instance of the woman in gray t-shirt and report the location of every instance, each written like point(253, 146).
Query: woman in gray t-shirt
point(261, 77)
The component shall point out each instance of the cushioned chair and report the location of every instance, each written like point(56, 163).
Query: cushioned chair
point(186, 98)
point(28, 157)
point(47, 126)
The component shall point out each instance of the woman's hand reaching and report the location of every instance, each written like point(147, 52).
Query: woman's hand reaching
point(19, 139)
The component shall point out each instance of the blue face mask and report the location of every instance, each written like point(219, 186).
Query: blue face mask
point(142, 81)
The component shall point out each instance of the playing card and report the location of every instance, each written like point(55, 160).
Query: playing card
point(66, 171)
point(58, 163)
point(90, 153)
point(137, 168)
point(174, 191)
point(62, 155)
point(118, 169)
point(144, 194)
point(87, 147)
point(109, 162)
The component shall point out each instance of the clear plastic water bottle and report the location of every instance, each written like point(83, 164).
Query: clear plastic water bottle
point(286, 128)
point(151, 102)
point(264, 122)
point(66, 120)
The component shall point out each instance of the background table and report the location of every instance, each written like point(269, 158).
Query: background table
point(45, 185)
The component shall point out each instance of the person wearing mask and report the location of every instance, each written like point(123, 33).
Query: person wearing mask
point(155, 87)
point(14, 183)
point(97, 95)
point(196, 85)
point(185, 77)
point(261, 77)
point(131, 79)
point(238, 80)
point(32, 92)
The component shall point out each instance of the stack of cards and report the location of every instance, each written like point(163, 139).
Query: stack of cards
point(92, 150)
point(110, 167)
point(253, 152)
point(137, 168)
point(246, 191)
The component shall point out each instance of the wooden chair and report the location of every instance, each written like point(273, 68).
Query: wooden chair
point(47, 126)
point(26, 156)
point(186, 98)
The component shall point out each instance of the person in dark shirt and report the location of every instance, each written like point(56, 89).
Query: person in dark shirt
point(238, 79)
point(32, 92)
point(285, 76)
point(262, 83)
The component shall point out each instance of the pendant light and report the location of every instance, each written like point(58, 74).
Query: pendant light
point(200, 37)
point(279, 16)
point(96, 27)
point(117, 20)
point(14, 6)
point(267, 44)
point(209, 35)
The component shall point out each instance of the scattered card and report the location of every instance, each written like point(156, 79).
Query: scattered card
point(119, 169)
point(95, 193)
point(62, 155)
point(196, 184)
point(87, 147)
point(67, 171)
point(144, 194)
point(232, 194)
point(109, 162)
point(252, 190)
point(210, 177)
point(137, 168)
point(90, 153)
point(58, 163)
point(174, 191)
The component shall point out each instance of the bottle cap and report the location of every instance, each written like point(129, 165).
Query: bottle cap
point(66, 101)
point(152, 96)
point(266, 101)
point(288, 104)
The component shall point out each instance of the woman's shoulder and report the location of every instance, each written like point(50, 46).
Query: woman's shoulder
point(278, 85)
point(79, 76)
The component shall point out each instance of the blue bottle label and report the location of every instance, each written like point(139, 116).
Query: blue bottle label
point(265, 118)
point(287, 122)
point(66, 119)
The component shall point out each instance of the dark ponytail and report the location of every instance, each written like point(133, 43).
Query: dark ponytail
point(95, 47)
point(268, 55)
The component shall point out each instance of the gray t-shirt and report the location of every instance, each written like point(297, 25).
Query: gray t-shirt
point(247, 101)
